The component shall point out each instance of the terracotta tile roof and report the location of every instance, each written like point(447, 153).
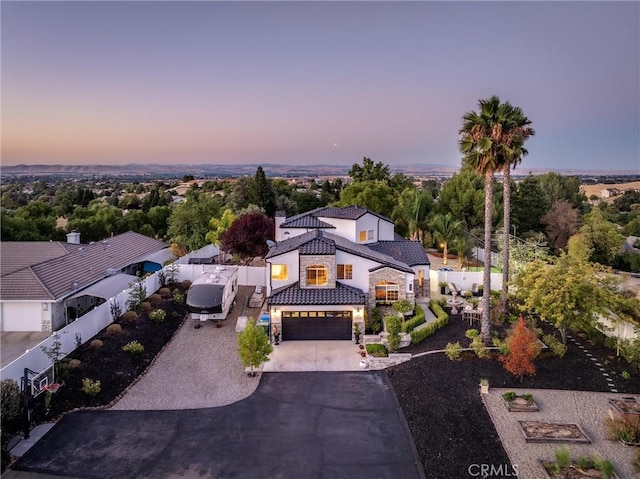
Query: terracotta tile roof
point(294, 295)
point(58, 275)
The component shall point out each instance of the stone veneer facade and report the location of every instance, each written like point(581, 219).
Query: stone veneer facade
point(327, 260)
point(390, 276)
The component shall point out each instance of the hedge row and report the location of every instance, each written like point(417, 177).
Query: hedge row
point(417, 320)
point(442, 318)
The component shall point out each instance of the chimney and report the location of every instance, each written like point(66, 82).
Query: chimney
point(73, 237)
point(279, 218)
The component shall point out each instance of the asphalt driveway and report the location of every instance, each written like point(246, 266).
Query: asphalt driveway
point(296, 425)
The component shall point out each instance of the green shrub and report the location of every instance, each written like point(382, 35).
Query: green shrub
point(509, 396)
point(393, 324)
point(562, 456)
point(377, 350)
point(442, 318)
point(373, 321)
point(11, 410)
point(90, 387)
point(114, 329)
point(178, 297)
point(556, 347)
point(417, 320)
point(528, 397)
point(452, 350)
point(472, 333)
point(478, 346)
point(158, 316)
point(130, 316)
point(133, 347)
point(502, 346)
point(154, 298)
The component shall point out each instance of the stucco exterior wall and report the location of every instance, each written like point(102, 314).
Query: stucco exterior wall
point(25, 316)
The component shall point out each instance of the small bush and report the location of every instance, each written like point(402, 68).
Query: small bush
point(636, 459)
point(145, 307)
point(502, 346)
point(509, 396)
point(472, 333)
point(11, 400)
point(164, 292)
point(478, 347)
point(96, 344)
point(562, 456)
point(453, 350)
point(373, 321)
point(178, 297)
point(393, 324)
point(74, 363)
point(158, 316)
point(417, 320)
point(186, 284)
point(528, 397)
point(619, 430)
point(154, 299)
point(377, 350)
point(133, 347)
point(114, 329)
point(90, 387)
point(556, 347)
point(130, 316)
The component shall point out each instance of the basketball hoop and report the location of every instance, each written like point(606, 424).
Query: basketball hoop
point(52, 388)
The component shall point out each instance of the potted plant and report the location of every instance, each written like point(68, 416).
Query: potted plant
point(443, 287)
point(276, 334)
point(484, 386)
point(357, 332)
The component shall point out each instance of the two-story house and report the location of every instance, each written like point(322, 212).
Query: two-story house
point(331, 264)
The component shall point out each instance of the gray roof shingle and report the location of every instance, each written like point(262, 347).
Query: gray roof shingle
point(305, 222)
point(410, 252)
point(294, 295)
point(319, 245)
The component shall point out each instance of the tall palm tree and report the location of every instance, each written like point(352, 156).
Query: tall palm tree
point(445, 230)
point(487, 138)
point(515, 134)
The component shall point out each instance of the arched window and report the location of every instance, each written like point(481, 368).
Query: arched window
point(387, 292)
point(317, 275)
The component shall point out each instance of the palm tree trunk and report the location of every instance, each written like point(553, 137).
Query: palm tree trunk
point(505, 240)
point(485, 323)
point(445, 253)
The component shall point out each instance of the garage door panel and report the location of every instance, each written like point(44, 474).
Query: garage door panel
point(311, 327)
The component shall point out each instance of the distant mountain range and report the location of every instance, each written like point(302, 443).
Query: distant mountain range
point(218, 170)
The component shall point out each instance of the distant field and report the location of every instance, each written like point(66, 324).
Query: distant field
point(589, 190)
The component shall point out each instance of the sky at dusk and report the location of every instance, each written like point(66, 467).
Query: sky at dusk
point(315, 82)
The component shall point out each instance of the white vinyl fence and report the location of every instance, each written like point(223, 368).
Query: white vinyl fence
point(91, 323)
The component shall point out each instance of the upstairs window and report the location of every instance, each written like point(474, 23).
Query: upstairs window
point(345, 271)
point(363, 235)
point(370, 234)
point(279, 272)
point(317, 275)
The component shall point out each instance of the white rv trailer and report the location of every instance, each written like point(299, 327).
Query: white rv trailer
point(212, 295)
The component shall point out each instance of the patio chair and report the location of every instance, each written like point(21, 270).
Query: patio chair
point(474, 289)
point(453, 287)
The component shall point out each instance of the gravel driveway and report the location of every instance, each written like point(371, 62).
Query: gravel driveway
point(199, 368)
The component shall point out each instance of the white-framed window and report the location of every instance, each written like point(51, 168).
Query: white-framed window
point(370, 234)
point(317, 275)
point(345, 271)
point(279, 272)
point(387, 292)
point(362, 235)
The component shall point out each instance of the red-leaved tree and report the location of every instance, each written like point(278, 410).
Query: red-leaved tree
point(523, 349)
point(247, 236)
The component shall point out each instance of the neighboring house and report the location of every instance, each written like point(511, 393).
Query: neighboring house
point(331, 264)
point(45, 285)
point(609, 192)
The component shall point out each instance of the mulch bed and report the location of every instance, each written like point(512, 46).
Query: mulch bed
point(441, 401)
point(109, 364)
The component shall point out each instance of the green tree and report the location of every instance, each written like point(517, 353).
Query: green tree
point(189, 221)
point(462, 195)
point(412, 208)
point(487, 143)
point(571, 293)
point(602, 237)
point(376, 196)
point(369, 171)
point(445, 229)
point(253, 346)
point(218, 227)
point(393, 325)
point(262, 193)
point(627, 199)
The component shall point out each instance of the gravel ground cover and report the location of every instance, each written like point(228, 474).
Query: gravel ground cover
point(199, 368)
point(440, 398)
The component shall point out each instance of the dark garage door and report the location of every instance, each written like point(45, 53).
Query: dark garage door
point(313, 325)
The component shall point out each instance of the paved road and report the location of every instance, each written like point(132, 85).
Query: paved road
point(296, 425)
